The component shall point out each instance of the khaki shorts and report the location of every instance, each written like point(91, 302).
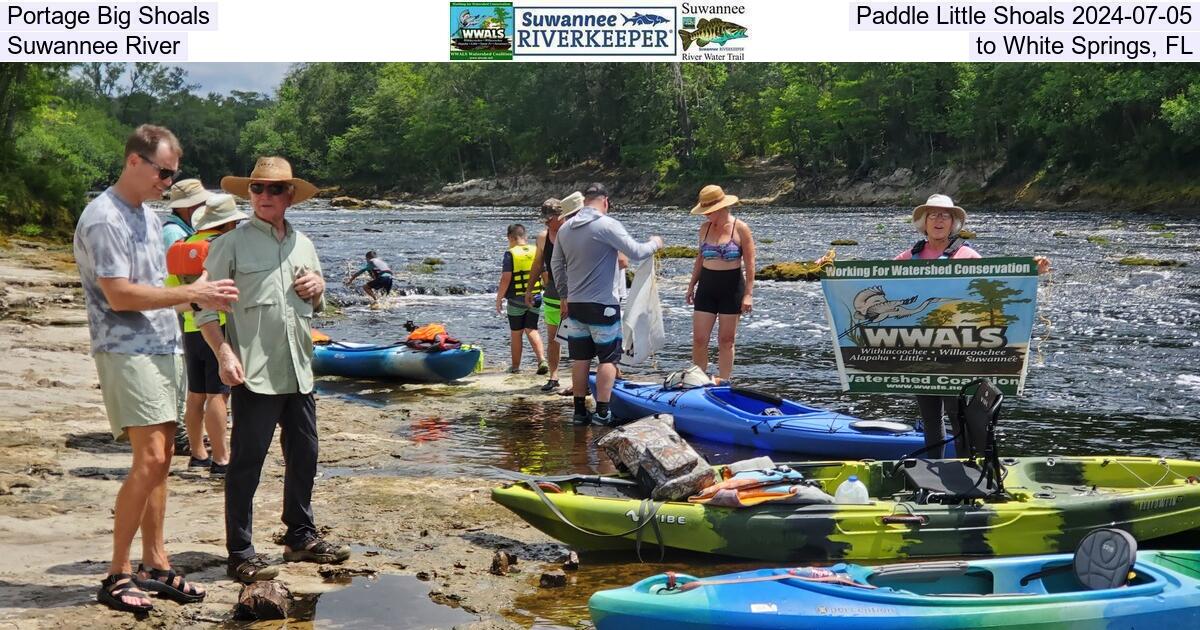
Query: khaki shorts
point(140, 389)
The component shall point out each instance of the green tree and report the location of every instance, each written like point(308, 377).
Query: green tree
point(994, 295)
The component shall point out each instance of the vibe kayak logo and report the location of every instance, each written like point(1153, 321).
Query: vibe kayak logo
point(707, 31)
point(595, 31)
point(481, 30)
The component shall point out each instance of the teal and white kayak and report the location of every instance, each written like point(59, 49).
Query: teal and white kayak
point(396, 361)
point(1041, 592)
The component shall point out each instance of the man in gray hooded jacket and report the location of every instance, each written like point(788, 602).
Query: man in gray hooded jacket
point(585, 272)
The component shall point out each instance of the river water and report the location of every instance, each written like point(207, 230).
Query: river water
point(1114, 367)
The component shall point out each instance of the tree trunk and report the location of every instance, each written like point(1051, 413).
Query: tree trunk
point(687, 147)
point(9, 100)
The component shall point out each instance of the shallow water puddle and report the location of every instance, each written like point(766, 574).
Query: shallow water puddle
point(385, 601)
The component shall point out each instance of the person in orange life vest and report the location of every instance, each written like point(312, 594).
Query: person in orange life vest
point(185, 197)
point(206, 395)
point(522, 318)
point(941, 223)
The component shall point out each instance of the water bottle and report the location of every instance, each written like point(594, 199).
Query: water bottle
point(852, 491)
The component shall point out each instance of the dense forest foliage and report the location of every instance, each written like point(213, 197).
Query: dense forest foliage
point(409, 126)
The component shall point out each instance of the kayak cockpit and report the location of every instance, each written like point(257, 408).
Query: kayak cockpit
point(755, 403)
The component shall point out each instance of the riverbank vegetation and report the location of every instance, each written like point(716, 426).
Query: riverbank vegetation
point(414, 127)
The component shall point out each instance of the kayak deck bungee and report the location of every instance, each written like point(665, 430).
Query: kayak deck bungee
point(1054, 502)
point(396, 361)
point(747, 417)
point(1022, 592)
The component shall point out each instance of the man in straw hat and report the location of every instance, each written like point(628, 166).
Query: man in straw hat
point(552, 211)
point(585, 271)
point(205, 408)
point(185, 197)
point(135, 343)
point(267, 360)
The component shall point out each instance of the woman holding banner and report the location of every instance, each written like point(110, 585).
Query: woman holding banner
point(940, 222)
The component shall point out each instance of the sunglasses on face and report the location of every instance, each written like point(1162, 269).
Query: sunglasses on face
point(940, 215)
point(163, 173)
point(271, 189)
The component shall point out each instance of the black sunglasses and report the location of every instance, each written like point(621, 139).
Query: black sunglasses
point(163, 173)
point(272, 189)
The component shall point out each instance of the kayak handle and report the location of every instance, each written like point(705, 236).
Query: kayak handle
point(905, 519)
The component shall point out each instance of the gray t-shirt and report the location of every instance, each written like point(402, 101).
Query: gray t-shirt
point(116, 240)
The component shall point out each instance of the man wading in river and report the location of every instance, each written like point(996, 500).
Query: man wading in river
point(585, 270)
point(267, 360)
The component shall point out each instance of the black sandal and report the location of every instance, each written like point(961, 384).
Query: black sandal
point(118, 585)
point(169, 584)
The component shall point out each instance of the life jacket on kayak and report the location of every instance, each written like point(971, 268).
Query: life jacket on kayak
point(522, 256)
point(748, 488)
point(956, 244)
point(431, 338)
point(319, 338)
point(662, 462)
point(185, 264)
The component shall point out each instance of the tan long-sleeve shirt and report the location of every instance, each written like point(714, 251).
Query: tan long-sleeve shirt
point(270, 326)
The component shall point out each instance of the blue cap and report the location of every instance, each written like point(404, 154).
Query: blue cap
point(853, 478)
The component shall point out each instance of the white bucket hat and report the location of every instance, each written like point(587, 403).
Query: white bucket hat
point(571, 204)
point(218, 210)
point(937, 202)
point(186, 193)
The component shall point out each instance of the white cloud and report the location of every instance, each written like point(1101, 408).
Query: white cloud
point(226, 77)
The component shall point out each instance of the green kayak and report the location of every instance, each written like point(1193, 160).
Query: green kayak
point(1046, 505)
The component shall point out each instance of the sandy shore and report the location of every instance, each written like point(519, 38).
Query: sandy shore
point(60, 471)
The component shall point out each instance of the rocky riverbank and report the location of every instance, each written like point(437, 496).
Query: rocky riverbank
point(60, 471)
point(775, 183)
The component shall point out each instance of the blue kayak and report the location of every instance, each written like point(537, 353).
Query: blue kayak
point(397, 361)
point(747, 417)
point(1031, 592)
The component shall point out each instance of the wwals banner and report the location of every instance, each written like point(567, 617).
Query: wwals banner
point(931, 326)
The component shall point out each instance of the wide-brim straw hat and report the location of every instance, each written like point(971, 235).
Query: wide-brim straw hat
point(217, 211)
point(269, 169)
point(713, 198)
point(186, 193)
point(571, 204)
point(939, 202)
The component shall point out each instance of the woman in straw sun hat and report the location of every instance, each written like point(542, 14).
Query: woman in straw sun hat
point(722, 280)
point(940, 222)
point(205, 404)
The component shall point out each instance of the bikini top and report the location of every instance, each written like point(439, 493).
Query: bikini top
point(729, 250)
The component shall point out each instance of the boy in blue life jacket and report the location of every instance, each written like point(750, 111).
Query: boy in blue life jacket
point(522, 317)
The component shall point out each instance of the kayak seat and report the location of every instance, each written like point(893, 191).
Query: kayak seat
point(980, 476)
point(1104, 558)
point(954, 479)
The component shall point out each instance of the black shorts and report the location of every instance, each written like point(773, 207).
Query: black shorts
point(521, 317)
point(720, 292)
point(383, 284)
point(203, 370)
point(593, 330)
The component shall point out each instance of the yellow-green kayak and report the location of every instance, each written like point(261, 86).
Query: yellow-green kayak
point(1050, 504)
